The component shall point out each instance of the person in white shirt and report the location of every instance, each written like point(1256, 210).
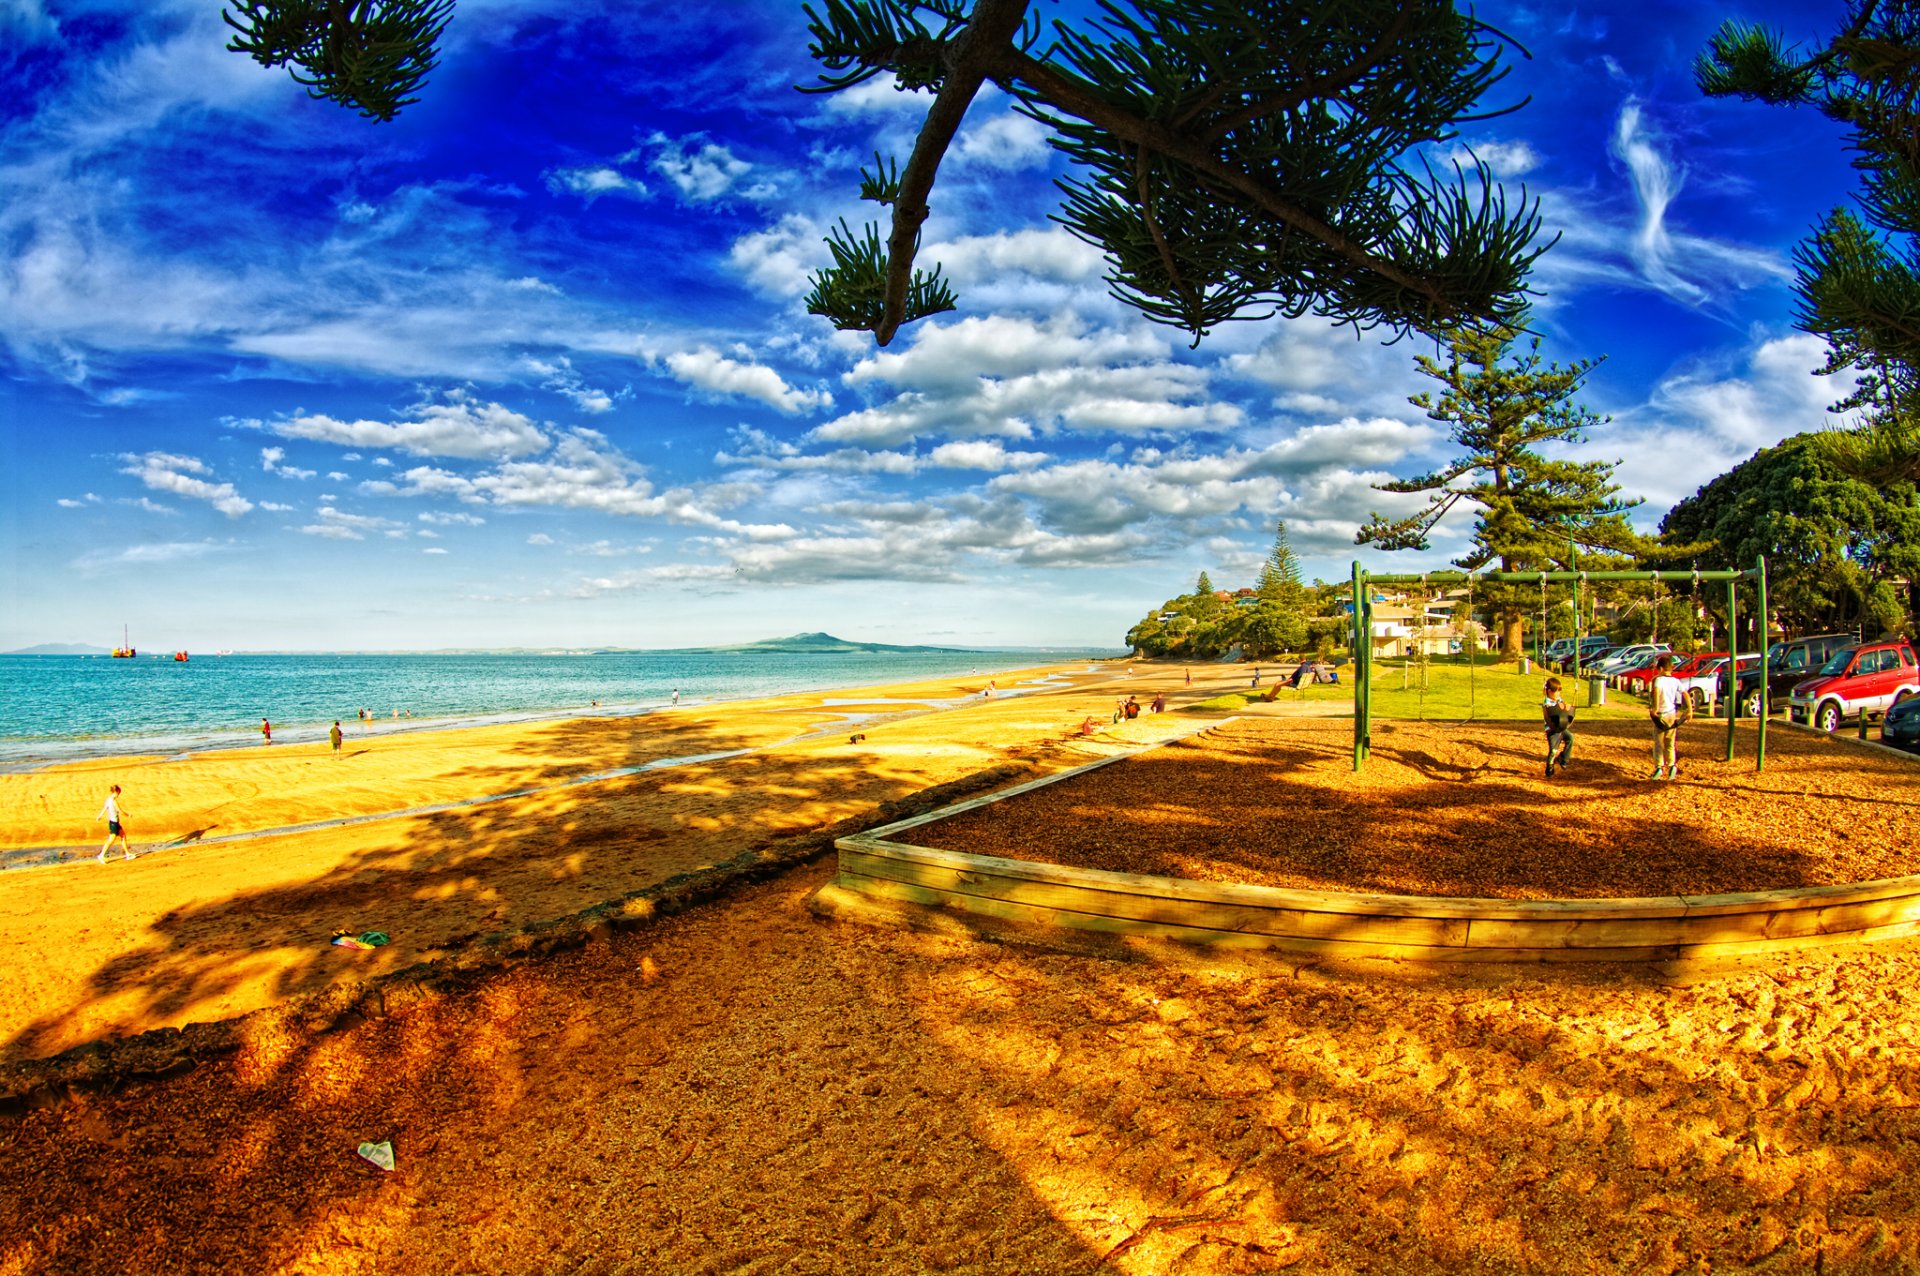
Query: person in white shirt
point(115, 831)
point(1668, 696)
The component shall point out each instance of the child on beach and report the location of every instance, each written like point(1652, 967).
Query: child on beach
point(115, 830)
point(1557, 714)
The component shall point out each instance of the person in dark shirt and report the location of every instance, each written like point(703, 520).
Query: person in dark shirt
point(1557, 715)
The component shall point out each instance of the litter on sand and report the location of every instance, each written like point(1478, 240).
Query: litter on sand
point(365, 939)
point(380, 1154)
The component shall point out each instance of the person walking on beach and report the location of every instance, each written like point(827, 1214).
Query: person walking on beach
point(266, 731)
point(333, 737)
point(676, 696)
point(1557, 715)
point(1667, 715)
point(116, 831)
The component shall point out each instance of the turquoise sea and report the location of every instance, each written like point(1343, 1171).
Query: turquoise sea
point(61, 708)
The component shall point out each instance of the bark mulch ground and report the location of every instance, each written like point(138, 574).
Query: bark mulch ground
point(1466, 810)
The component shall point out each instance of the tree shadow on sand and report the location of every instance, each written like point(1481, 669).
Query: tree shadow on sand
point(440, 881)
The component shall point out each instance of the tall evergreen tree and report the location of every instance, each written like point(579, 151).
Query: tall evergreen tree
point(1280, 574)
point(1859, 275)
point(1234, 158)
point(1532, 509)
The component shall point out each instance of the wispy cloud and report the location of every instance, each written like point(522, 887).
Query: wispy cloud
point(183, 476)
point(460, 427)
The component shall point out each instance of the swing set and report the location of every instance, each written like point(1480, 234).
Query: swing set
point(1363, 600)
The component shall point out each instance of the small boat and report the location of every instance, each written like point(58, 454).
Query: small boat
point(180, 656)
point(125, 650)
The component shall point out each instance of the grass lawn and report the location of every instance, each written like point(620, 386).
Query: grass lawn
point(1453, 692)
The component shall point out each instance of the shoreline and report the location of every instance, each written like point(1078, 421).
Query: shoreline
point(20, 755)
point(586, 813)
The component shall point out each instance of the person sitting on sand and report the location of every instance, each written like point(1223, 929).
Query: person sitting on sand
point(116, 831)
point(1557, 715)
point(1131, 708)
point(1160, 703)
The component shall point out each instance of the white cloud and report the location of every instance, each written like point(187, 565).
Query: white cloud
point(539, 538)
point(1514, 158)
point(593, 181)
point(779, 259)
point(1050, 254)
point(459, 427)
point(707, 369)
point(880, 95)
point(701, 171)
point(1005, 142)
point(336, 524)
point(180, 475)
point(433, 549)
point(983, 454)
point(143, 555)
point(1601, 244)
point(1012, 377)
point(1702, 420)
point(67, 503)
point(451, 519)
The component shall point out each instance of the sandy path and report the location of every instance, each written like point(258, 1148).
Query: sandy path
point(212, 930)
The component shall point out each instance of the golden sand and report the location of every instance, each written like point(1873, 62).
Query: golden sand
point(747, 1088)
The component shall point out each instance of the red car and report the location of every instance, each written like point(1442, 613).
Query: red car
point(1867, 679)
point(1640, 680)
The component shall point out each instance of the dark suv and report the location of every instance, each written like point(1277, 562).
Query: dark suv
point(1788, 664)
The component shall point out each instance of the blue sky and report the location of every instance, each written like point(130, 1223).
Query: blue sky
point(531, 365)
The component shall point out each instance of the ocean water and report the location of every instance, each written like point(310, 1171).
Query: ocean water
point(62, 708)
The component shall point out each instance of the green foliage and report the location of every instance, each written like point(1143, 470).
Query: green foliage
point(1858, 276)
point(371, 55)
point(1836, 547)
point(1287, 618)
point(1533, 512)
point(1232, 158)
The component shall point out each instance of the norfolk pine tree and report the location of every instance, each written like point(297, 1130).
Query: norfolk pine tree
point(1233, 158)
point(1532, 509)
point(1859, 276)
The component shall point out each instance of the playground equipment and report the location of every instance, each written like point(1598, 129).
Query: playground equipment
point(1364, 581)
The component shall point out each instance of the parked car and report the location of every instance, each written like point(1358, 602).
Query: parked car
point(1589, 649)
point(1625, 658)
point(1867, 679)
point(1633, 667)
point(1703, 685)
point(1639, 679)
point(1901, 726)
point(1788, 663)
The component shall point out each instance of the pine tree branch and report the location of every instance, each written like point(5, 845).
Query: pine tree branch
point(968, 59)
point(1070, 95)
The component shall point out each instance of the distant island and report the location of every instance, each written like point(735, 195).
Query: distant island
point(825, 644)
point(61, 649)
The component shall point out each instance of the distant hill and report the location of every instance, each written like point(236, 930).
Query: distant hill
point(61, 649)
point(820, 643)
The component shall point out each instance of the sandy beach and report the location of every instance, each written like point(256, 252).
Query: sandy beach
point(744, 1087)
point(251, 858)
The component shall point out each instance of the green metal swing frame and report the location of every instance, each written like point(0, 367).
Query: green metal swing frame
point(1364, 581)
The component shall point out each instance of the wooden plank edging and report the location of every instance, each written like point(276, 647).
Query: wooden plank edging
point(877, 866)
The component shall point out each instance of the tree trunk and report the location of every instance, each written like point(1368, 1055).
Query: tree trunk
point(1512, 636)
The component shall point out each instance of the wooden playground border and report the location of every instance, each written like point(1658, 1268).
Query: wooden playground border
point(883, 878)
